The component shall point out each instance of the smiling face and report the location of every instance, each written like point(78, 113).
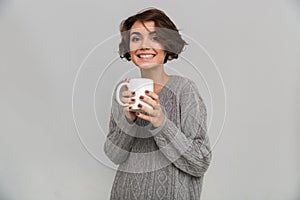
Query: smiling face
point(145, 50)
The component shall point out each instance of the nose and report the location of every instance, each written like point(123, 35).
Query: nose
point(145, 44)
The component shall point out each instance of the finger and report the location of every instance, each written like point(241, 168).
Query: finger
point(128, 108)
point(145, 117)
point(146, 109)
point(148, 100)
point(153, 95)
point(128, 93)
point(128, 100)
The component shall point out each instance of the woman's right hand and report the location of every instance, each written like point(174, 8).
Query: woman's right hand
point(127, 98)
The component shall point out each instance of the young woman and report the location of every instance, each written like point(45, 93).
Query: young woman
point(164, 152)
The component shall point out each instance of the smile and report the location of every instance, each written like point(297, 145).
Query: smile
point(145, 55)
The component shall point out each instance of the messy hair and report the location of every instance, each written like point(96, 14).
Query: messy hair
point(167, 33)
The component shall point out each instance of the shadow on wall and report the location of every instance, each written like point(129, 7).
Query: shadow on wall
point(3, 4)
point(3, 194)
point(296, 4)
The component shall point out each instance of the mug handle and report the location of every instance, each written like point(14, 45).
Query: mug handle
point(118, 94)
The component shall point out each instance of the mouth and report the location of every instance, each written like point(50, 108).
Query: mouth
point(146, 56)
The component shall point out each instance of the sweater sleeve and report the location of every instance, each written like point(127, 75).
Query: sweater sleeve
point(120, 136)
point(187, 147)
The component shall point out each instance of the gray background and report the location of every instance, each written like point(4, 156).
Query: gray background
point(255, 44)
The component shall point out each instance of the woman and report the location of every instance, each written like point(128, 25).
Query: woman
point(162, 152)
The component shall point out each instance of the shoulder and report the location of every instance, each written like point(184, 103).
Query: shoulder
point(183, 83)
point(187, 90)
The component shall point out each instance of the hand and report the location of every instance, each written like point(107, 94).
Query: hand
point(126, 98)
point(156, 116)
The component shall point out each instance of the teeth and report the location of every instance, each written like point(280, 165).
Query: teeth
point(147, 56)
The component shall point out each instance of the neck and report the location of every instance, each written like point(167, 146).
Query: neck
point(157, 74)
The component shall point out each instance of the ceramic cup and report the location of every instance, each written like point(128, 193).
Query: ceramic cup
point(139, 86)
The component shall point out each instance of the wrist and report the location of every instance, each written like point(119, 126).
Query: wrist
point(160, 122)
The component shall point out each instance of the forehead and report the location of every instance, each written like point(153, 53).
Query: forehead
point(148, 26)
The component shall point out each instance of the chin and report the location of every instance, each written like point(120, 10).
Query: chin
point(147, 65)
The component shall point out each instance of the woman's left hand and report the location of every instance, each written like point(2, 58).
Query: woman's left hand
point(156, 115)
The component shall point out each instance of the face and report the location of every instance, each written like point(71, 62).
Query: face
point(145, 50)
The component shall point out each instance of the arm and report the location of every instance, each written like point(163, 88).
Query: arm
point(120, 136)
point(188, 148)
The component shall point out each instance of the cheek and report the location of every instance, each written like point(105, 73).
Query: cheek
point(133, 46)
point(158, 46)
point(162, 53)
point(130, 46)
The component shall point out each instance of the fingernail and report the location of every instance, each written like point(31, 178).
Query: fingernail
point(140, 105)
point(146, 91)
point(137, 113)
point(133, 93)
point(141, 97)
point(130, 107)
point(132, 99)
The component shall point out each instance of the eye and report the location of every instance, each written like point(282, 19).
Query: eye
point(135, 39)
point(155, 38)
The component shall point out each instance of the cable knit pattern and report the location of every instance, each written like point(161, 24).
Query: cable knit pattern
point(167, 162)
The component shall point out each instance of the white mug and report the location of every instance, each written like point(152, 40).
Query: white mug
point(139, 86)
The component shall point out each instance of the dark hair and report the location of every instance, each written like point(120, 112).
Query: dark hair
point(168, 33)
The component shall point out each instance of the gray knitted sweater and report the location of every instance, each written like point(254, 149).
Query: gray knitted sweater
point(167, 162)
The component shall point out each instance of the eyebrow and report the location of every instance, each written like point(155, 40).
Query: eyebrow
point(138, 33)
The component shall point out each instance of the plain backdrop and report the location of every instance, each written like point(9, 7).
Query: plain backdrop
point(58, 66)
